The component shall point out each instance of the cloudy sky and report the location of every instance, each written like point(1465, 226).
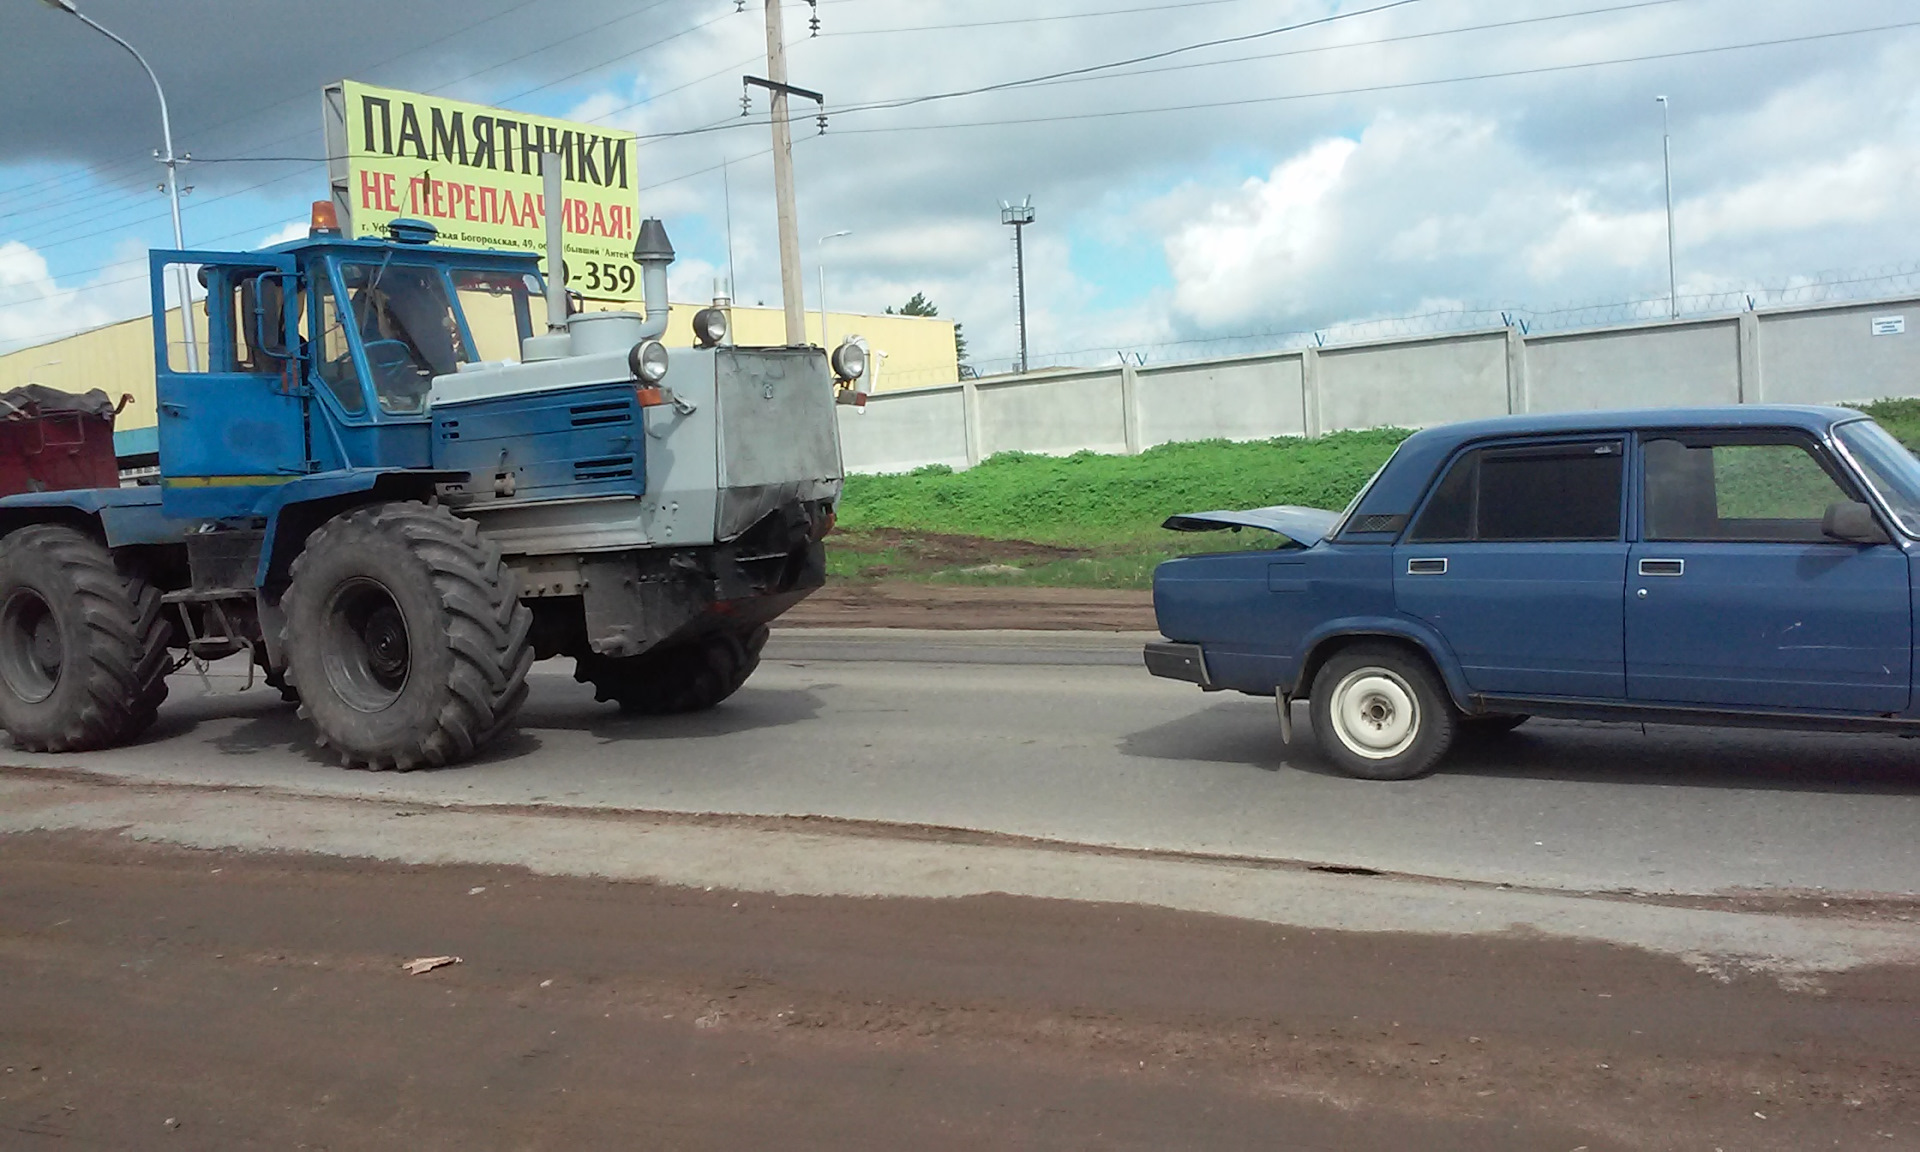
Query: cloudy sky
point(1424, 164)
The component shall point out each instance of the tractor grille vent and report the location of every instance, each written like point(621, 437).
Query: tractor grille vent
point(607, 412)
point(603, 468)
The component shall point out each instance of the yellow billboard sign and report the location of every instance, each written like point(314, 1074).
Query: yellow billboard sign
point(474, 173)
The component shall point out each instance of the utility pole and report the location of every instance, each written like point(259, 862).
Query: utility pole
point(1666, 151)
point(792, 287)
point(172, 162)
point(1019, 216)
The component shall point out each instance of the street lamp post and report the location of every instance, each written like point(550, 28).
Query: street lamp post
point(1666, 152)
point(820, 258)
point(168, 158)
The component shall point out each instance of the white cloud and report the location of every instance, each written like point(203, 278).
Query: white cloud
point(291, 230)
point(34, 308)
point(1260, 247)
point(1276, 216)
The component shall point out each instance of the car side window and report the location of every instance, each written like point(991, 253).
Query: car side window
point(1544, 493)
point(1761, 488)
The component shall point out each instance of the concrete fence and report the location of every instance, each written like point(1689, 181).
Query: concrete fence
point(1803, 355)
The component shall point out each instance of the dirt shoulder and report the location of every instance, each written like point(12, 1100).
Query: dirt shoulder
point(154, 995)
point(914, 604)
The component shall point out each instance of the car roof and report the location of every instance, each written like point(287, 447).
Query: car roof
point(1811, 418)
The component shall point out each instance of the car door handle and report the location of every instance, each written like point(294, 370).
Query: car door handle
point(1651, 567)
point(1434, 566)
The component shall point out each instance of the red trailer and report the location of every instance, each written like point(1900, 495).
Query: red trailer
point(54, 441)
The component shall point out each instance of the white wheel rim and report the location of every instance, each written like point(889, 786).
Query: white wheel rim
point(1375, 714)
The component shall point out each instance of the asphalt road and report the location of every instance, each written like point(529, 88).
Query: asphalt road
point(1062, 736)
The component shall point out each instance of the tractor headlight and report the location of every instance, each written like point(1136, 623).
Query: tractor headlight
point(710, 326)
point(648, 361)
point(849, 362)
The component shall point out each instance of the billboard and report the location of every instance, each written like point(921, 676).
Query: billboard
point(474, 173)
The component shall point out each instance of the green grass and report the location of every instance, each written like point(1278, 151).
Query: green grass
point(1099, 516)
point(1088, 500)
point(1900, 417)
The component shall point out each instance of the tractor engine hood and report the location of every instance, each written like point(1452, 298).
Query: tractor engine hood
point(1304, 526)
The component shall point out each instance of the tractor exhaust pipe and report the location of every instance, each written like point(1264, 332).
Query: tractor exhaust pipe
point(556, 242)
point(653, 252)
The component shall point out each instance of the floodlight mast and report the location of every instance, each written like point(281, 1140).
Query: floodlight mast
point(1019, 216)
point(168, 158)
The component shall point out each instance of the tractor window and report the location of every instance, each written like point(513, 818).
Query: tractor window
point(407, 330)
point(334, 362)
point(176, 335)
point(502, 309)
point(255, 294)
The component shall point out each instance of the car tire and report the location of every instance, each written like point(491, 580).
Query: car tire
point(83, 643)
point(1381, 713)
point(406, 641)
point(1487, 727)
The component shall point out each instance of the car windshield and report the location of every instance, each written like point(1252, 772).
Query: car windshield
point(407, 329)
point(1889, 467)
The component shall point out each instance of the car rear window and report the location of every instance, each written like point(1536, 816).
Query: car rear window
point(1549, 492)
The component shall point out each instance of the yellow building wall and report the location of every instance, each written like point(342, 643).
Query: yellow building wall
point(118, 358)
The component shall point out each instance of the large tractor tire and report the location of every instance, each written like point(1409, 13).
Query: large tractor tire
point(83, 643)
point(405, 637)
point(690, 677)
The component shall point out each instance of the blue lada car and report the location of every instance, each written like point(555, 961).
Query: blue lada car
point(1740, 566)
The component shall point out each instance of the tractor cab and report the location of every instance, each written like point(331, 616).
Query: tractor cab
point(320, 355)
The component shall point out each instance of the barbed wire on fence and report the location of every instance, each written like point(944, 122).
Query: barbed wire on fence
point(1835, 286)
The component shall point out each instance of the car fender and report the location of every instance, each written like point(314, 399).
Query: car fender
point(1317, 643)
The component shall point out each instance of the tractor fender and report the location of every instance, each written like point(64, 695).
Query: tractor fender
point(299, 506)
point(121, 517)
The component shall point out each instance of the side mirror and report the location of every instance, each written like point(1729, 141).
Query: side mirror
point(1852, 522)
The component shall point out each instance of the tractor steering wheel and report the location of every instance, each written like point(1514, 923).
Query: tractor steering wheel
point(397, 378)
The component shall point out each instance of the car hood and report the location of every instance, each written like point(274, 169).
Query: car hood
point(1304, 526)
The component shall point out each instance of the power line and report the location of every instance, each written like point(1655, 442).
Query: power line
point(1028, 19)
point(112, 193)
point(1364, 89)
point(258, 227)
point(45, 242)
point(1375, 42)
point(1188, 107)
point(129, 165)
point(1147, 58)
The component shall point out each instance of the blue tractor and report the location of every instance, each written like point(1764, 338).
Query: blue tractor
point(395, 520)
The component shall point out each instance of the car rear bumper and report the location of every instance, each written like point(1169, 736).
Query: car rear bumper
point(1178, 662)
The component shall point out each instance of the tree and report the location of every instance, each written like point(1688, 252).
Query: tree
point(919, 305)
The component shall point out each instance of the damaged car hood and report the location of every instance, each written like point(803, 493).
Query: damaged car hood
point(1304, 526)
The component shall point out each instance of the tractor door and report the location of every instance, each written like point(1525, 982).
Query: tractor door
point(232, 422)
